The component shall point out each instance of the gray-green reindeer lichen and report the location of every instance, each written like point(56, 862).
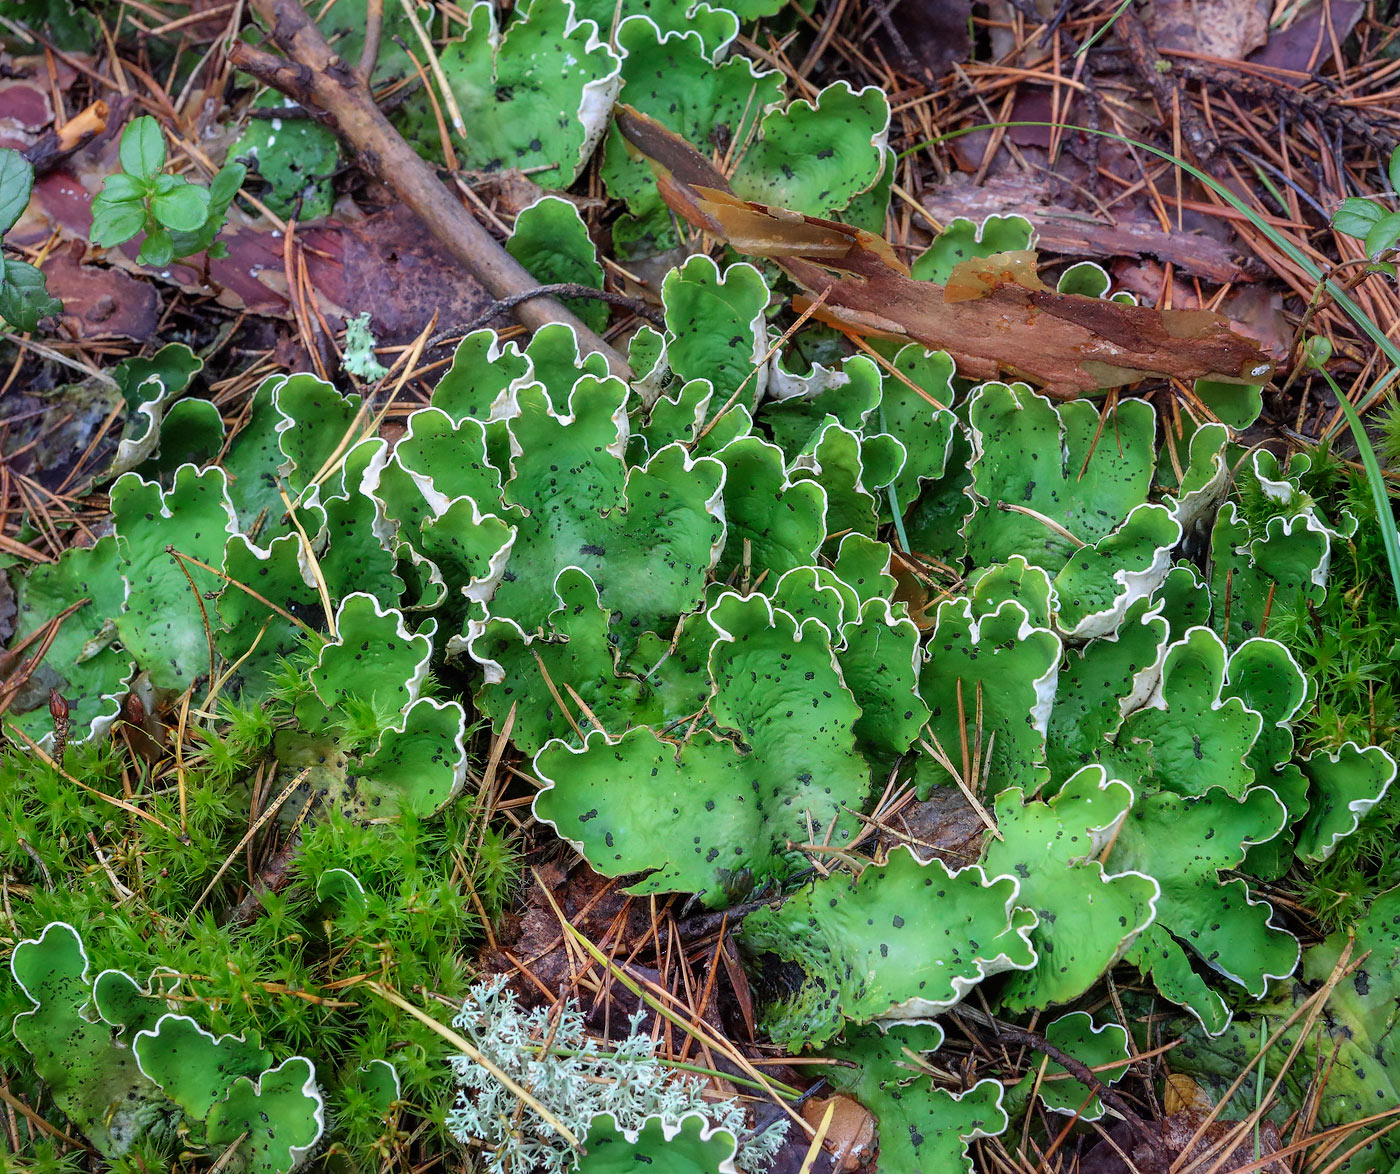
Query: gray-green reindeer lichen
point(603, 1092)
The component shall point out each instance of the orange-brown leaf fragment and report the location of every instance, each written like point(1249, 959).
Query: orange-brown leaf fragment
point(995, 318)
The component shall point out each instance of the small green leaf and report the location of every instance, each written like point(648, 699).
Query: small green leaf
point(157, 249)
point(1099, 583)
point(183, 207)
point(142, 150)
point(1356, 216)
point(374, 658)
point(24, 296)
point(1086, 278)
point(116, 221)
point(16, 182)
point(1383, 234)
point(716, 326)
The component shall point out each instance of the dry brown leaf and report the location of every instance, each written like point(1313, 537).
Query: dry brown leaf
point(850, 1138)
point(1003, 324)
point(1229, 29)
point(1181, 1094)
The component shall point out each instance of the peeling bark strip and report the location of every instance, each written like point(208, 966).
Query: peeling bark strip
point(994, 318)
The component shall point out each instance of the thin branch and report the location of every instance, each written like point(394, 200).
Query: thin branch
point(1082, 1073)
point(369, 55)
point(315, 76)
point(562, 289)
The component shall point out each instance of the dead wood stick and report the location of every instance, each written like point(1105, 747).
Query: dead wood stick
point(1195, 135)
point(315, 76)
point(52, 147)
point(1082, 1073)
point(561, 289)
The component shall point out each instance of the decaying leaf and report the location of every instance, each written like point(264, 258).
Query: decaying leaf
point(993, 318)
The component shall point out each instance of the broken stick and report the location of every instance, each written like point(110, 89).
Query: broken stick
point(313, 75)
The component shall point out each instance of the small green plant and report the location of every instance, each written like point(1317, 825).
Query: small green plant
point(178, 216)
point(24, 298)
point(1369, 220)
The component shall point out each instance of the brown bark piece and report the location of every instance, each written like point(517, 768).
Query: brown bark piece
point(850, 1137)
point(1067, 344)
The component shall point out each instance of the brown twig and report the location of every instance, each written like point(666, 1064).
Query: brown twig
point(1082, 1073)
point(562, 289)
point(54, 146)
point(1195, 135)
point(315, 76)
point(374, 26)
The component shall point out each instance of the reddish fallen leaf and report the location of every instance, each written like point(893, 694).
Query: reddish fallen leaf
point(928, 38)
point(8, 608)
point(99, 302)
point(1229, 29)
point(1310, 38)
point(1065, 343)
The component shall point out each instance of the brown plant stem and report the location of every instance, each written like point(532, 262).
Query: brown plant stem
point(315, 76)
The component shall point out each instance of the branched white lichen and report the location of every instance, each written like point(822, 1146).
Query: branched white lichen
point(576, 1080)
